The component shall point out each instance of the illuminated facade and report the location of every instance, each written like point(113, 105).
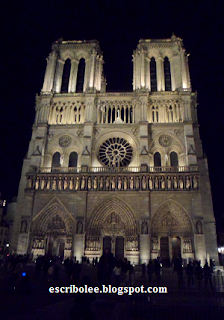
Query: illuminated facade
point(118, 170)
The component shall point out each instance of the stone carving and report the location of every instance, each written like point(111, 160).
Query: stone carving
point(165, 140)
point(187, 247)
point(144, 182)
point(79, 229)
point(95, 183)
point(23, 228)
point(169, 183)
point(199, 227)
point(169, 220)
point(150, 183)
point(101, 183)
point(155, 245)
point(125, 183)
point(195, 183)
point(163, 183)
point(83, 183)
point(144, 227)
point(65, 141)
point(188, 183)
point(131, 183)
point(119, 183)
point(89, 184)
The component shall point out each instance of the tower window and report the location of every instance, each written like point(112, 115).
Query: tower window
point(173, 159)
point(153, 74)
point(157, 159)
point(56, 160)
point(80, 76)
point(66, 75)
point(73, 160)
point(167, 74)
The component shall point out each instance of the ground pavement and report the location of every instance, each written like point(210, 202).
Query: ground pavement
point(184, 303)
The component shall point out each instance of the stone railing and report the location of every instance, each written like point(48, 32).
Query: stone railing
point(86, 169)
point(124, 181)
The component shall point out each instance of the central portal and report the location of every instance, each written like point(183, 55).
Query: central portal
point(116, 246)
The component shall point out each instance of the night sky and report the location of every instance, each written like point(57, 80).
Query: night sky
point(28, 28)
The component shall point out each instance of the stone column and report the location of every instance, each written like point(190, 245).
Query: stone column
point(172, 73)
point(144, 248)
point(147, 74)
point(58, 75)
point(50, 71)
point(79, 246)
point(73, 75)
point(142, 69)
point(87, 74)
point(92, 70)
point(160, 74)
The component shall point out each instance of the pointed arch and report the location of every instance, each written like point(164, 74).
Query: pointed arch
point(101, 213)
point(153, 77)
point(66, 76)
point(54, 208)
point(171, 219)
point(80, 75)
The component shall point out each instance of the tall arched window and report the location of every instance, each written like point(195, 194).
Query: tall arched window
point(80, 76)
point(73, 159)
point(56, 160)
point(157, 159)
point(173, 159)
point(66, 75)
point(153, 74)
point(167, 74)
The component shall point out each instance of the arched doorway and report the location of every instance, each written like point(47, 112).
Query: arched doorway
point(171, 228)
point(52, 231)
point(112, 225)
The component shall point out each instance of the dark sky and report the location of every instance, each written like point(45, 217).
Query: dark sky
point(28, 29)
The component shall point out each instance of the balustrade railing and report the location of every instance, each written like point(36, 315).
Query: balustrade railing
point(86, 169)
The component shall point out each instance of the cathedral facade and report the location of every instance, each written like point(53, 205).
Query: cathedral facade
point(119, 170)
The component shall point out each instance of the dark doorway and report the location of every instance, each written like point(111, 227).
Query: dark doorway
point(119, 248)
point(107, 243)
point(50, 247)
point(164, 249)
point(61, 250)
point(176, 247)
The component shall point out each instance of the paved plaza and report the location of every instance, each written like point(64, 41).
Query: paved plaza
point(184, 303)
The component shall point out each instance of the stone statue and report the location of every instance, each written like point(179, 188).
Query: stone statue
point(131, 183)
point(188, 183)
point(107, 183)
point(59, 183)
point(37, 183)
point(175, 183)
point(144, 227)
point(156, 182)
point(29, 183)
point(95, 183)
point(195, 182)
point(181, 183)
point(23, 228)
point(89, 184)
point(199, 227)
point(169, 184)
point(150, 183)
point(125, 183)
point(77, 184)
point(70, 183)
point(65, 183)
point(137, 183)
point(54, 184)
point(113, 183)
point(42, 183)
point(163, 183)
point(48, 183)
point(143, 182)
point(79, 228)
point(119, 184)
point(101, 183)
point(83, 183)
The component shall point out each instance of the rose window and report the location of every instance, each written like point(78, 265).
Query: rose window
point(115, 152)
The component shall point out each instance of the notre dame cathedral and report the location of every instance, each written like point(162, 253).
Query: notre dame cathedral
point(119, 170)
